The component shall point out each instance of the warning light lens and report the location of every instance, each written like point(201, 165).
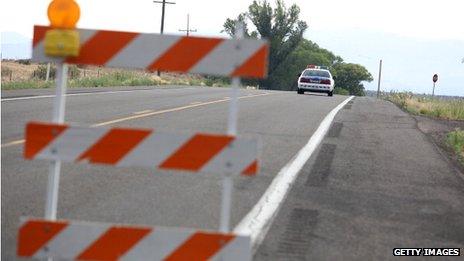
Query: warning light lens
point(63, 14)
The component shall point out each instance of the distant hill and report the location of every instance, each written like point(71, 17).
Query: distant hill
point(15, 46)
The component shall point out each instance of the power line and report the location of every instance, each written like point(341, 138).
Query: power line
point(188, 30)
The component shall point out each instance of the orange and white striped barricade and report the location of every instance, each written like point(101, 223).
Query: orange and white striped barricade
point(224, 154)
point(122, 147)
point(184, 54)
point(70, 240)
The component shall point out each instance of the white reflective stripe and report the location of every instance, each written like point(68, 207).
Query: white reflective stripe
point(72, 241)
point(234, 158)
point(225, 58)
point(71, 143)
point(238, 248)
point(143, 51)
point(158, 245)
point(85, 35)
point(154, 150)
point(38, 54)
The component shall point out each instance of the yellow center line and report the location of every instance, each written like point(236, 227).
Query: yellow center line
point(143, 114)
point(170, 110)
point(16, 142)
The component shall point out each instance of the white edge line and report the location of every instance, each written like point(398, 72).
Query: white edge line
point(258, 221)
point(72, 94)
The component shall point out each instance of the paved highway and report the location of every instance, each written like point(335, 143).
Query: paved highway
point(375, 183)
point(283, 120)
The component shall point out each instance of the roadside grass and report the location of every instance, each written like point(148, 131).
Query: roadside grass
point(455, 140)
point(27, 75)
point(26, 84)
point(117, 78)
point(450, 109)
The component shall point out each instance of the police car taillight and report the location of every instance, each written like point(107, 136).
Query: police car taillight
point(325, 81)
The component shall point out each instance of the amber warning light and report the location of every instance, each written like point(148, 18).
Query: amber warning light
point(62, 40)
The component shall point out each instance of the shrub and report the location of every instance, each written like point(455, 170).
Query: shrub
point(114, 79)
point(455, 140)
point(73, 72)
point(341, 91)
point(423, 111)
point(41, 72)
point(209, 82)
point(24, 61)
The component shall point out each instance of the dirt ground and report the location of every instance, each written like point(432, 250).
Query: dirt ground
point(436, 130)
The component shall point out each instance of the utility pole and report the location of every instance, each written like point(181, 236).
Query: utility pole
point(163, 5)
point(380, 76)
point(188, 30)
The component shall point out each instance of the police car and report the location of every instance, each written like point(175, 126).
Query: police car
point(316, 79)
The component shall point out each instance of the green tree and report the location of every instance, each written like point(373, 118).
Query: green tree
point(350, 76)
point(307, 52)
point(281, 26)
point(229, 26)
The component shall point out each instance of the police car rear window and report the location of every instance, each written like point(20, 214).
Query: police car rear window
point(316, 73)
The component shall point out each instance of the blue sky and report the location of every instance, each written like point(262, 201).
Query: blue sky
point(415, 38)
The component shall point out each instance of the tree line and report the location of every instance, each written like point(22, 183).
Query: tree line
point(290, 52)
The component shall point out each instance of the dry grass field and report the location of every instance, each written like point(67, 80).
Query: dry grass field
point(443, 110)
point(21, 75)
point(449, 109)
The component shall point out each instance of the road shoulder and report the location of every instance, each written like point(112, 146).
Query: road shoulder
point(375, 183)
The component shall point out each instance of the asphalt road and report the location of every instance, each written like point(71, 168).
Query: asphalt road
point(283, 120)
point(376, 183)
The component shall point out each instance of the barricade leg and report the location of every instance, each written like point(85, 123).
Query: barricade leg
point(227, 180)
point(58, 117)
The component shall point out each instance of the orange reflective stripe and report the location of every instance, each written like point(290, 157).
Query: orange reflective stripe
point(39, 34)
point(185, 54)
point(196, 152)
point(39, 135)
point(255, 66)
point(200, 246)
point(34, 234)
point(252, 169)
point(114, 243)
point(102, 47)
point(114, 145)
